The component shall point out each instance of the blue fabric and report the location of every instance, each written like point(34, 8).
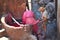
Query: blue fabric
point(44, 2)
point(51, 26)
point(35, 7)
point(51, 30)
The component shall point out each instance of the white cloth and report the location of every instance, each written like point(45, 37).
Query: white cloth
point(44, 14)
point(4, 38)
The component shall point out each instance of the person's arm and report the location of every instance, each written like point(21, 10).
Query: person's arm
point(44, 19)
point(37, 21)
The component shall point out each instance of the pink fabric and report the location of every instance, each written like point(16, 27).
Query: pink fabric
point(28, 18)
point(27, 14)
point(31, 21)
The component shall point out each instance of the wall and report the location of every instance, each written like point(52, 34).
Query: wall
point(58, 18)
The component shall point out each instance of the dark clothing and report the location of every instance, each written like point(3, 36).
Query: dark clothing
point(10, 21)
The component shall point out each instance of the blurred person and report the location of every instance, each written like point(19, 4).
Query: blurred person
point(43, 17)
point(51, 26)
point(42, 33)
point(28, 18)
